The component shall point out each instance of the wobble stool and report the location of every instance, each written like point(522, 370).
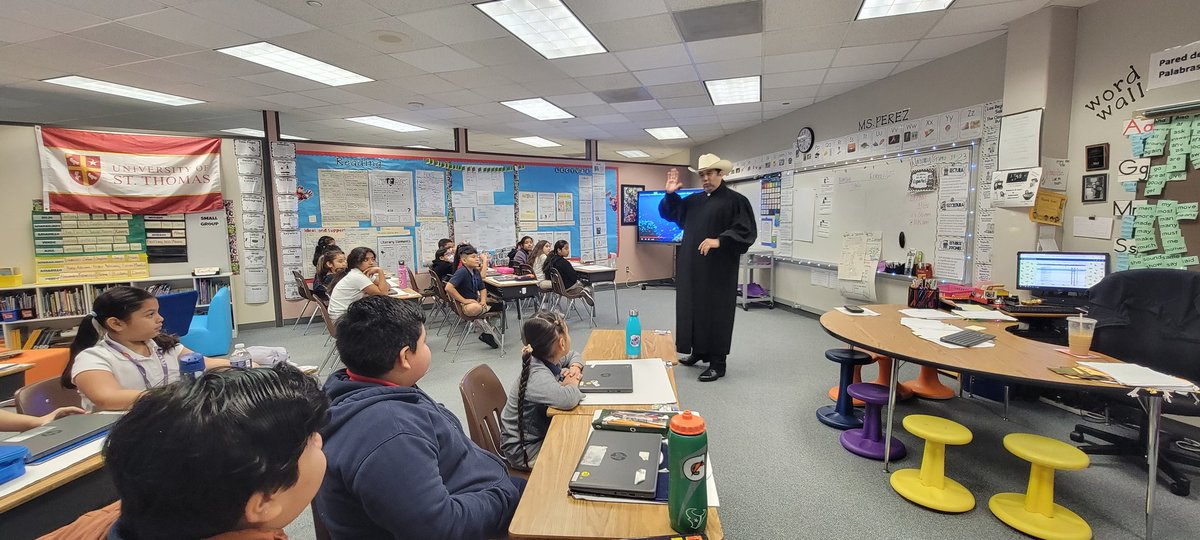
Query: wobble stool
point(1034, 512)
point(868, 441)
point(928, 386)
point(928, 486)
point(842, 415)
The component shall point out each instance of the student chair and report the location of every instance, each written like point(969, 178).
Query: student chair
point(867, 441)
point(309, 298)
point(426, 292)
point(570, 296)
point(928, 486)
point(467, 321)
point(331, 327)
point(177, 311)
point(484, 399)
point(842, 415)
point(1034, 512)
point(41, 398)
point(441, 303)
point(212, 334)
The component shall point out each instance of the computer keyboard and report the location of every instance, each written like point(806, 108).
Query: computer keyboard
point(1047, 309)
point(967, 338)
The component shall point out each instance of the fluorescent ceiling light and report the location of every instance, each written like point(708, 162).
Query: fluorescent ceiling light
point(386, 123)
point(536, 141)
point(259, 133)
point(84, 83)
point(633, 153)
point(295, 63)
point(538, 108)
point(731, 91)
point(546, 25)
point(665, 133)
point(886, 8)
point(420, 146)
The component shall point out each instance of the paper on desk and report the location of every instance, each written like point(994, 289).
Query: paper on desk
point(925, 324)
point(927, 314)
point(1141, 376)
point(865, 313)
point(594, 268)
point(650, 385)
point(34, 473)
point(990, 315)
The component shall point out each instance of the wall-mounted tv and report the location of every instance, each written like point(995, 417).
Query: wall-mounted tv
point(652, 228)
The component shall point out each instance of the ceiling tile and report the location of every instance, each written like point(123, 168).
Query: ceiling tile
point(335, 96)
point(779, 63)
point(333, 13)
point(790, 15)
point(538, 71)
point(461, 97)
point(455, 24)
point(907, 65)
point(290, 99)
point(243, 87)
point(132, 39)
point(69, 51)
point(640, 33)
point(377, 107)
point(50, 16)
point(15, 31)
point(730, 68)
point(931, 48)
point(446, 113)
point(592, 64)
point(112, 9)
point(685, 102)
point(333, 111)
point(437, 60)
point(284, 81)
point(574, 100)
point(612, 81)
point(474, 78)
point(811, 39)
point(693, 112)
point(793, 78)
point(677, 90)
point(728, 48)
point(637, 106)
point(188, 28)
point(608, 119)
point(545, 88)
point(829, 90)
point(160, 69)
point(591, 110)
point(215, 63)
point(381, 67)
point(790, 93)
point(970, 20)
point(325, 46)
point(591, 11)
point(493, 52)
point(386, 35)
point(249, 17)
point(504, 92)
point(666, 75)
point(858, 73)
point(425, 84)
point(655, 57)
point(891, 29)
point(872, 54)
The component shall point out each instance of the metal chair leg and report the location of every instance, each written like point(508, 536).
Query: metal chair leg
point(315, 312)
point(301, 315)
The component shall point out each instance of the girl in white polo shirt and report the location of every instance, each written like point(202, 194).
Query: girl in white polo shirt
point(120, 351)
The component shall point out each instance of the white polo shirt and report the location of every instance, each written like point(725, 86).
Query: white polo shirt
point(132, 370)
point(347, 291)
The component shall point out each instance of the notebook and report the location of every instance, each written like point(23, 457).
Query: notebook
point(607, 378)
point(619, 464)
point(62, 434)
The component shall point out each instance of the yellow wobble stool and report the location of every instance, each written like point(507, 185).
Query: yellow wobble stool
point(1034, 512)
point(928, 486)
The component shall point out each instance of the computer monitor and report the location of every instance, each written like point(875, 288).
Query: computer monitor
point(652, 227)
point(1060, 273)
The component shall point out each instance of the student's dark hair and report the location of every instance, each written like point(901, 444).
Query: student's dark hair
point(120, 302)
point(520, 243)
point(326, 259)
point(445, 243)
point(553, 256)
point(355, 258)
point(460, 251)
point(322, 244)
point(539, 332)
point(373, 331)
point(441, 252)
point(188, 456)
point(537, 249)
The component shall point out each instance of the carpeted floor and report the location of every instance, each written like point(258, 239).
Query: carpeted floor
point(781, 474)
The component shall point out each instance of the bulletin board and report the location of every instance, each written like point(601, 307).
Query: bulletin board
point(584, 209)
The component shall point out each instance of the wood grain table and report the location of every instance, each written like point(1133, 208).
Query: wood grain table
point(606, 344)
point(56, 500)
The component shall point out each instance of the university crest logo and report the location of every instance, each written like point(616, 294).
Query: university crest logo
point(85, 170)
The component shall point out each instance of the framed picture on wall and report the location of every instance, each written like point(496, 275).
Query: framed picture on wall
point(629, 198)
point(1095, 188)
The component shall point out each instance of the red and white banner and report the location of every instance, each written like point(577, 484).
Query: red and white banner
point(117, 173)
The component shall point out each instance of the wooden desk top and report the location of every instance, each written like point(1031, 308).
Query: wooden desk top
point(1014, 358)
point(547, 511)
point(606, 344)
point(28, 493)
point(593, 269)
point(510, 283)
point(15, 367)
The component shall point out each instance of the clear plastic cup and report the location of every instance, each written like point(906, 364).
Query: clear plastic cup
point(1079, 334)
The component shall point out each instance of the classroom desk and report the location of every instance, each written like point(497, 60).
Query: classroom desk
point(512, 290)
point(593, 274)
point(403, 294)
point(12, 378)
point(1013, 358)
point(607, 344)
point(56, 500)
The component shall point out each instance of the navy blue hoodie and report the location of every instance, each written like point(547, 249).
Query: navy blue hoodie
point(400, 467)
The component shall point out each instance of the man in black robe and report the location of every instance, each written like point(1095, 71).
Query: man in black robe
point(718, 227)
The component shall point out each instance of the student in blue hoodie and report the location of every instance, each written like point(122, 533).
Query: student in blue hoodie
point(400, 465)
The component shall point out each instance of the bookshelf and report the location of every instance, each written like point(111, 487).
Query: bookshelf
point(60, 306)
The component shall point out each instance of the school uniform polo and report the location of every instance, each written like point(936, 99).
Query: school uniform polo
point(348, 290)
point(132, 370)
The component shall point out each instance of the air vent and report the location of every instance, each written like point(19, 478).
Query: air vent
point(624, 95)
point(720, 21)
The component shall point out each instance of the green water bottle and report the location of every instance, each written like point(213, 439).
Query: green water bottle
point(687, 487)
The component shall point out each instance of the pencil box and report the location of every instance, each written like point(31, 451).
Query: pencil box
point(12, 461)
point(632, 421)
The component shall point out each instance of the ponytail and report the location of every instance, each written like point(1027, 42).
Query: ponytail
point(86, 337)
point(539, 332)
point(526, 358)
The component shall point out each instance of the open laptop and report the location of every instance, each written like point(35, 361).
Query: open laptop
point(62, 434)
point(619, 464)
point(607, 378)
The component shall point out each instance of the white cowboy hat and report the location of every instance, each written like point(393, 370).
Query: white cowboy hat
point(711, 161)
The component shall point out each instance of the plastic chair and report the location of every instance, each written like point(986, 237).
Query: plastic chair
point(441, 301)
point(177, 310)
point(309, 297)
point(41, 398)
point(928, 486)
point(484, 399)
point(466, 321)
point(212, 334)
point(331, 327)
point(562, 292)
point(1034, 512)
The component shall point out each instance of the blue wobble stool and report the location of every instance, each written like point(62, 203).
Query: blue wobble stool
point(842, 415)
point(212, 334)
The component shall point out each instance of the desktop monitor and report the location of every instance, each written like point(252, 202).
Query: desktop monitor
point(652, 227)
point(1060, 273)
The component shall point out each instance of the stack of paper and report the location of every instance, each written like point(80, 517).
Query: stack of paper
point(927, 314)
point(934, 331)
point(1141, 376)
point(985, 315)
point(865, 312)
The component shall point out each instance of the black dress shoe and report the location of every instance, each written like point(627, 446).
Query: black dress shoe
point(711, 374)
point(691, 360)
point(490, 340)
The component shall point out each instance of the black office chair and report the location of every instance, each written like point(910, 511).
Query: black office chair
point(1151, 318)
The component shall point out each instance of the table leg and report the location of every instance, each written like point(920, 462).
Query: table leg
point(887, 437)
point(1154, 410)
point(616, 303)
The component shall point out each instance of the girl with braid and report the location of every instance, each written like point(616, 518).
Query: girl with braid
point(550, 374)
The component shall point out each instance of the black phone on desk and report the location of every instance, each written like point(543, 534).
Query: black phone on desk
point(853, 309)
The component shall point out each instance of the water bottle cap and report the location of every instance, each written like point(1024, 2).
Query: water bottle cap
point(687, 423)
point(633, 313)
point(239, 345)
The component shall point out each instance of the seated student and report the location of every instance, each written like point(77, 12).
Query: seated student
point(11, 421)
point(557, 260)
point(235, 455)
point(400, 465)
point(544, 383)
point(363, 278)
point(542, 250)
point(466, 287)
point(443, 263)
point(323, 244)
point(523, 253)
point(330, 267)
point(120, 351)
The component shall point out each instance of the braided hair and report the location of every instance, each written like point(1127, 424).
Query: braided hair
point(540, 333)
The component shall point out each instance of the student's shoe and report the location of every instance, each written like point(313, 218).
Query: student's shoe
point(490, 340)
point(711, 374)
point(587, 297)
point(691, 360)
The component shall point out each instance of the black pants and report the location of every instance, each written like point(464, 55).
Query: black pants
point(716, 361)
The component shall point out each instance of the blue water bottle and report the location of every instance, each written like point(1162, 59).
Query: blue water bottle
point(633, 335)
point(191, 365)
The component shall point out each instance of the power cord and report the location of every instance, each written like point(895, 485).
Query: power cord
point(1188, 445)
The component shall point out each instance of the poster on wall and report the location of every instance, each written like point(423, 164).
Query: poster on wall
point(1015, 188)
point(391, 195)
point(166, 238)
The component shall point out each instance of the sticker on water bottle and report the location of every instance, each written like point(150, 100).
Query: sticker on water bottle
point(693, 468)
point(635, 340)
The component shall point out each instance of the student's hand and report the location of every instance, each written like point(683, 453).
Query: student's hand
point(709, 243)
point(673, 183)
point(571, 378)
point(59, 413)
point(576, 369)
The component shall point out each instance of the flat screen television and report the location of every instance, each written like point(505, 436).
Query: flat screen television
point(652, 227)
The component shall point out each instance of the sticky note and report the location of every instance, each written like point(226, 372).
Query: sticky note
point(1177, 176)
point(1190, 261)
point(1130, 187)
point(1154, 186)
point(1176, 162)
point(1174, 244)
point(1187, 210)
point(1166, 208)
point(1180, 147)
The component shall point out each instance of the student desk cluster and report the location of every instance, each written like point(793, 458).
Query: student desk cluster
point(548, 511)
point(1013, 359)
point(509, 289)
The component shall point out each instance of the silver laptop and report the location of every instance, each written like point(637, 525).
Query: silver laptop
point(62, 434)
point(619, 464)
point(607, 378)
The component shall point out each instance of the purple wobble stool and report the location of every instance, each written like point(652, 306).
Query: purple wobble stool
point(867, 441)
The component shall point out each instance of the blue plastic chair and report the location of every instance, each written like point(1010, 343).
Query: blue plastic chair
point(212, 334)
point(177, 311)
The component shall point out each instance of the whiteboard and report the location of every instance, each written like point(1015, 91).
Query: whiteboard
point(752, 189)
point(873, 196)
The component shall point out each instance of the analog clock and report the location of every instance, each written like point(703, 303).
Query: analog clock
point(804, 141)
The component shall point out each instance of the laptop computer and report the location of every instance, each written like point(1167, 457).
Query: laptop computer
point(619, 464)
point(607, 378)
point(62, 434)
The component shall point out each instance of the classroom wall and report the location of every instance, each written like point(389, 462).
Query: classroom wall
point(969, 77)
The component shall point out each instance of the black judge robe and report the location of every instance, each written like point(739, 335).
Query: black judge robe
point(706, 297)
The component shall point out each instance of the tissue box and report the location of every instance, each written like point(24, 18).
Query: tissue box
point(12, 461)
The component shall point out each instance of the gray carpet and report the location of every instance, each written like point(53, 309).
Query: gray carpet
point(780, 473)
